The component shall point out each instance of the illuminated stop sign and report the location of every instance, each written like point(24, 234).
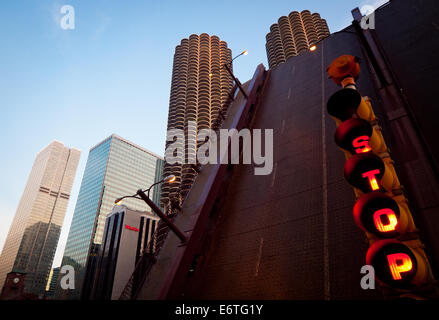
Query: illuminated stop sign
point(381, 210)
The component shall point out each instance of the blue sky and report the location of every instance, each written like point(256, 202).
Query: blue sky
point(112, 73)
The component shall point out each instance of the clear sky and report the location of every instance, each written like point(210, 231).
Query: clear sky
point(112, 73)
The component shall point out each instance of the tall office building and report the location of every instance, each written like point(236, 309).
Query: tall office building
point(294, 34)
point(200, 86)
point(115, 167)
point(33, 236)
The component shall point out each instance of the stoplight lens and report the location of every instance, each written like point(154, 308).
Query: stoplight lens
point(365, 172)
point(395, 263)
point(353, 135)
point(344, 103)
point(379, 214)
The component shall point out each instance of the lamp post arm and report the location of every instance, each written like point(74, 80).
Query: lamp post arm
point(236, 80)
point(162, 216)
point(153, 186)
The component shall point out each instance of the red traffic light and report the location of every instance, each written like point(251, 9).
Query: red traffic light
point(353, 135)
point(365, 171)
point(396, 264)
point(379, 214)
point(344, 104)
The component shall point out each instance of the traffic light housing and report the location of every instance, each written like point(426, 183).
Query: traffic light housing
point(381, 210)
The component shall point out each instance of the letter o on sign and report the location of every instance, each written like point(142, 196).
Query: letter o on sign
point(379, 214)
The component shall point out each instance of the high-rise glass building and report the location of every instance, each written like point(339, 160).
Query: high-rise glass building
point(33, 236)
point(294, 34)
point(115, 167)
point(199, 87)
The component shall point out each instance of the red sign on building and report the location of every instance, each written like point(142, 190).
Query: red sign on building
point(131, 228)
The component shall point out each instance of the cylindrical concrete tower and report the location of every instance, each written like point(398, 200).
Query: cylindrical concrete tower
point(294, 34)
point(200, 85)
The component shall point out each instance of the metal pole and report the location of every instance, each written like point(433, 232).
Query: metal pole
point(236, 81)
point(326, 274)
point(162, 216)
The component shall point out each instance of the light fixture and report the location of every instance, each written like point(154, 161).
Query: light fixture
point(171, 178)
point(313, 48)
point(140, 194)
point(243, 53)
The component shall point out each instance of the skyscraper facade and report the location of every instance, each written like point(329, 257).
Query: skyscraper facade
point(200, 86)
point(294, 34)
point(33, 236)
point(115, 167)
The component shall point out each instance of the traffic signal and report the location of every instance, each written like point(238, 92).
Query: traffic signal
point(381, 210)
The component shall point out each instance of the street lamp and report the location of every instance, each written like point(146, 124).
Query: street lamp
point(169, 179)
point(140, 194)
point(243, 53)
point(226, 65)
